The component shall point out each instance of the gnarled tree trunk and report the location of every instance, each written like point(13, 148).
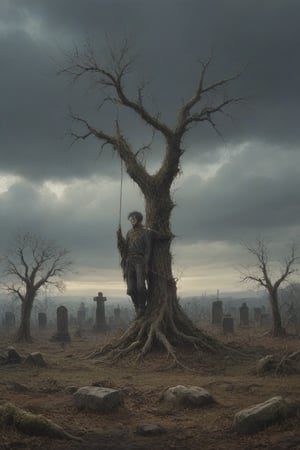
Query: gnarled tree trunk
point(163, 324)
point(277, 328)
point(23, 333)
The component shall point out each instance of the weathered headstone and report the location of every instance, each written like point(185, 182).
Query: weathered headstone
point(42, 320)
point(150, 429)
point(244, 315)
point(217, 312)
point(228, 324)
point(100, 313)
point(62, 319)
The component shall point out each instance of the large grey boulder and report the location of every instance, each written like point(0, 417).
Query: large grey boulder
point(258, 417)
point(193, 396)
point(99, 399)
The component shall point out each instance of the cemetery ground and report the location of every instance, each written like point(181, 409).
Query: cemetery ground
point(230, 378)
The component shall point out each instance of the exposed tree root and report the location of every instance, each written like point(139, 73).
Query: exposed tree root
point(165, 330)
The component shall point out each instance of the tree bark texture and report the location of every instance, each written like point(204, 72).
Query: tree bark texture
point(164, 324)
point(277, 328)
point(23, 333)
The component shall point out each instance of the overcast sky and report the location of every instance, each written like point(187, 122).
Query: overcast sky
point(234, 187)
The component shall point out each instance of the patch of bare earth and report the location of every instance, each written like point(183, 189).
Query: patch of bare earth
point(230, 377)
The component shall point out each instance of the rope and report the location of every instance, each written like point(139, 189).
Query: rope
point(121, 194)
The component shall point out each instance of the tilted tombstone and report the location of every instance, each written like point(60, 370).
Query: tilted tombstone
point(228, 324)
point(217, 312)
point(244, 315)
point(10, 320)
point(100, 313)
point(42, 320)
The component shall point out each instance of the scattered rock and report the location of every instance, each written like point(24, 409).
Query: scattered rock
point(18, 387)
point(289, 364)
point(193, 396)
point(149, 429)
point(13, 356)
point(99, 399)
point(258, 417)
point(35, 359)
point(266, 364)
point(71, 389)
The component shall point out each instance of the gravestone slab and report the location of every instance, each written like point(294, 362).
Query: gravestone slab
point(62, 319)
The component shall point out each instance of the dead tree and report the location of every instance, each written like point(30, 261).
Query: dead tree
point(164, 324)
point(32, 263)
point(261, 276)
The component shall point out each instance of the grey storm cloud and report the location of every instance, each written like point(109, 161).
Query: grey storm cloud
point(256, 190)
point(34, 121)
point(241, 182)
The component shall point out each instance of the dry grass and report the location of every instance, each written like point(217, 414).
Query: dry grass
point(229, 377)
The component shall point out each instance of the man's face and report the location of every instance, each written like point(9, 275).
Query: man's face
point(133, 220)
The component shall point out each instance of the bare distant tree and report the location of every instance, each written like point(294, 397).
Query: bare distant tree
point(163, 324)
point(262, 274)
point(32, 263)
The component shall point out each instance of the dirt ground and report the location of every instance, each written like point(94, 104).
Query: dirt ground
point(230, 378)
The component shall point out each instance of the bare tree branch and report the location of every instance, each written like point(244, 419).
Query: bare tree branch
point(85, 63)
point(29, 264)
point(262, 263)
point(185, 116)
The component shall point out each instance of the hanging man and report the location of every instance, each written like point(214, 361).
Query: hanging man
point(135, 252)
